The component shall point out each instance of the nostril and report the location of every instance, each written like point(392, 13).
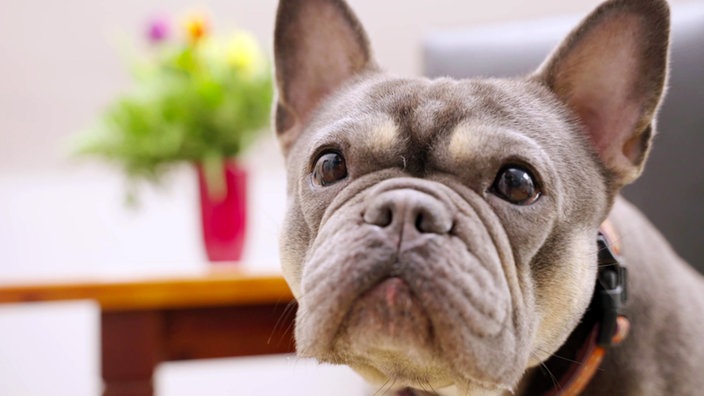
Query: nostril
point(419, 223)
point(432, 221)
point(385, 217)
point(381, 216)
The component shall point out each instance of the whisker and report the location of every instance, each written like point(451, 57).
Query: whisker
point(566, 359)
point(429, 388)
point(286, 314)
point(556, 385)
point(385, 387)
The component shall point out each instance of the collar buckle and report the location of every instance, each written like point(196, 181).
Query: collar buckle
point(611, 291)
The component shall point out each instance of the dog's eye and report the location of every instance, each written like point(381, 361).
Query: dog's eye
point(329, 168)
point(516, 185)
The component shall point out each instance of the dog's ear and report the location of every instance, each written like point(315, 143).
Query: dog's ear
point(318, 45)
point(611, 71)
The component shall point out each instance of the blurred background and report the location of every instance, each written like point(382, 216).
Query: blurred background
point(61, 64)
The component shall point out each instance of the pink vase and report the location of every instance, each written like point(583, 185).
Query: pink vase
point(223, 217)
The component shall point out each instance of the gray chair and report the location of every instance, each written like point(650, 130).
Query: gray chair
point(671, 190)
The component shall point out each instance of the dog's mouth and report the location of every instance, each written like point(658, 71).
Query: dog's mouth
point(389, 310)
point(389, 338)
point(388, 330)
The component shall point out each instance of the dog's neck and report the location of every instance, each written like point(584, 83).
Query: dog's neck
point(572, 367)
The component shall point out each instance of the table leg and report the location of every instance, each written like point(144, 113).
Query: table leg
point(131, 349)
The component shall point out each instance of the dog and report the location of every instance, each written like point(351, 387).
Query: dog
point(442, 236)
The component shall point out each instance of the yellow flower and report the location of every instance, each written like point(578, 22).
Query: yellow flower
point(197, 25)
point(242, 52)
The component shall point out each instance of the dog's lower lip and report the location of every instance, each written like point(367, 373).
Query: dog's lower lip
point(390, 307)
point(393, 287)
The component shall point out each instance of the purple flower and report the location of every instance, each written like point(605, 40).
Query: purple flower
point(158, 30)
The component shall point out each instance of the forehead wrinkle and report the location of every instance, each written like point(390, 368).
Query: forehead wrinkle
point(424, 114)
point(427, 111)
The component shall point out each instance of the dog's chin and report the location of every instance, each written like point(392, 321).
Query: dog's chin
point(387, 335)
point(432, 380)
point(435, 380)
point(388, 314)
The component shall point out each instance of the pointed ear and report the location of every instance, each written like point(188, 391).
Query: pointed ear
point(318, 45)
point(611, 71)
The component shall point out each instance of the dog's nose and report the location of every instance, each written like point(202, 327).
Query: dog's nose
point(409, 208)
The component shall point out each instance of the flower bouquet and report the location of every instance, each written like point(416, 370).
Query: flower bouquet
point(197, 98)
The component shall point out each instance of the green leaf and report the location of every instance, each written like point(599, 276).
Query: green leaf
point(186, 104)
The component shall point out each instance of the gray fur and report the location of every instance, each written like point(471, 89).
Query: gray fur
point(412, 270)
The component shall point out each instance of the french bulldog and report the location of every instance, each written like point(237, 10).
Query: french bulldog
point(440, 235)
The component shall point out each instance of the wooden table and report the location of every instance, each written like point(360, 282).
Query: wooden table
point(148, 321)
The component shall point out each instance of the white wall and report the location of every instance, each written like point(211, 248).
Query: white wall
point(59, 65)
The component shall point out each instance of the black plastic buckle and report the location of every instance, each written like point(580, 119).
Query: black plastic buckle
point(611, 290)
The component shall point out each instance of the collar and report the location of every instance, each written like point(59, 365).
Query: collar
point(602, 327)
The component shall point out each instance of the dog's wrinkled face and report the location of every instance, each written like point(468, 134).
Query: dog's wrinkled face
point(441, 233)
point(431, 205)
